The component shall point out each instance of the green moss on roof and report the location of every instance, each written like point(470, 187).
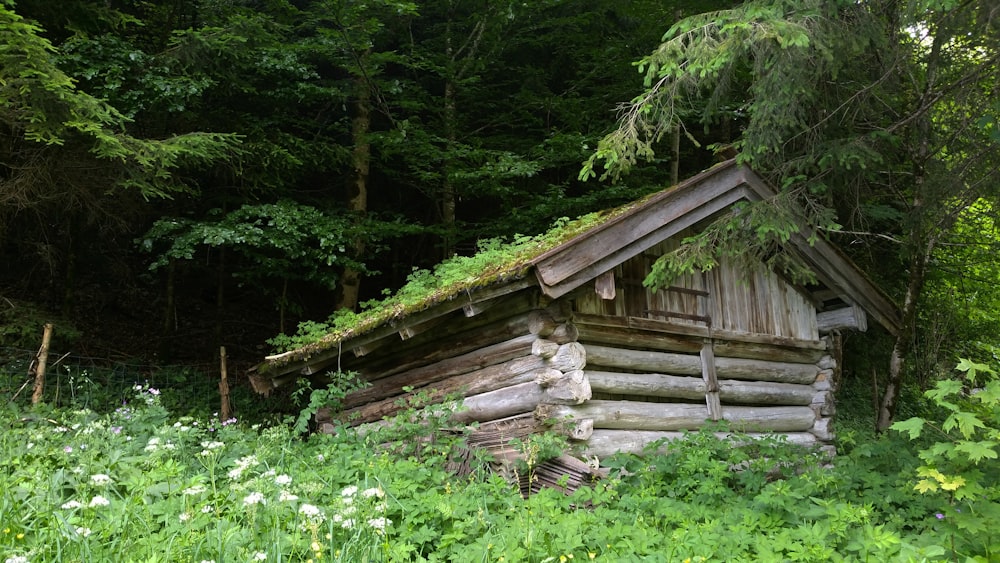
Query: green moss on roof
point(495, 263)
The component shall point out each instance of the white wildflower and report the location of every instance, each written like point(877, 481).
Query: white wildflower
point(286, 496)
point(347, 524)
point(16, 559)
point(99, 501)
point(100, 479)
point(213, 445)
point(260, 556)
point(184, 517)
point(70, 505)
point(311, 512)
point(270, 473)
point(349, 491)
point(373, 492)
point(206, 509)
point(195, 490)
point(82, 531)
point(379, 523)
point(282, 480)
point(254, 498)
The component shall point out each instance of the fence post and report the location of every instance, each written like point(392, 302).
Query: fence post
point(224, 385)
point(41, 359)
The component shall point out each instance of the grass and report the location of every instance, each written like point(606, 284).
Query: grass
point(140, 484)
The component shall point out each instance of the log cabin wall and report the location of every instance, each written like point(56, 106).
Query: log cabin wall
point(503, 362)
point(716, 346)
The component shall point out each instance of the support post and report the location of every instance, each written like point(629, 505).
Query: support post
point(225, 409)
point(40, 360)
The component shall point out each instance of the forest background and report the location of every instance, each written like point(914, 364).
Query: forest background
point(179, 175)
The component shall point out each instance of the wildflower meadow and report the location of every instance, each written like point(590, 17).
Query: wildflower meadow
point(141, 484)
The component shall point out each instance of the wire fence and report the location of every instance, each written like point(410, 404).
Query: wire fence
point(103, 384)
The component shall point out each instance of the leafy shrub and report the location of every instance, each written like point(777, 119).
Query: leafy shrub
point(960, 466)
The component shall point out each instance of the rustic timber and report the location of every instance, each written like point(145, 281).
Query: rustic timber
point(684, 364)
point(569, 356)
point(589, 252)
point(603, 443)
point(731, 391)
point(852, 318)
point(637, 415)
point(421, 350)
point(566, 332)
point(544, 348)
point(641, 234)
point(572, 388)
point(708, 374)
point(654, 334)
point(508, 401)
point(513, 372)
point(604, 285)
point(451, 367)
point(295, 360)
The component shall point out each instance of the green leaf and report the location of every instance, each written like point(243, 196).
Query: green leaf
point(965, 421)
point(913, 426)
point(977, 451)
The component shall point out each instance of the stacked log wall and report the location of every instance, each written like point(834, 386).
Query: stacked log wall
point(648, 386)
point(538, 361)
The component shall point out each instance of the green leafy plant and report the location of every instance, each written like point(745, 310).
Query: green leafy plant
point(960, 466)
point(341, 384)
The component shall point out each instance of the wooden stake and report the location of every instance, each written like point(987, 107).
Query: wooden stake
point(41, 359)
point(224, 411)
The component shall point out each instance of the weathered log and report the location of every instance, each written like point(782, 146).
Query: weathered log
point(731, 391)
point(451, 367)
point(853, 318)
point(603, 443)
point(426, 348)
point(541, 322)
point(512, 372)
point(297, 359)
point(635, 415)
point(823, 429)
point(501, 403)
point(667, 336)
point(570, 389)
point(566, 332)
point(710, 377)
point(544, 348)
point(570, 356)
point(684, 364)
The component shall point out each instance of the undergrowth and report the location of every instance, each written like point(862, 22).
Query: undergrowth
point(142, 484)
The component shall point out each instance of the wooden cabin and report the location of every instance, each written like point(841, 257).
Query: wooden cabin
point(570, 339)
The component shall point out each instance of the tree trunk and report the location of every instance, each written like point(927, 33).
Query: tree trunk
point(901, 347)
point(357, 188)
point(450, 115)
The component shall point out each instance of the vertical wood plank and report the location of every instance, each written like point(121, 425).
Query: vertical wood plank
point(711, 382)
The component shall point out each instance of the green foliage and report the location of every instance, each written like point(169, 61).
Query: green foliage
point(83, 485)
point(43, 103)
point(960, 465)
point(772, 224)
point(331, 397)
point(281, 240)
point(22, 323)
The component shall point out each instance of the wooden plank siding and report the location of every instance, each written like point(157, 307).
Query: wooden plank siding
point(756, 302)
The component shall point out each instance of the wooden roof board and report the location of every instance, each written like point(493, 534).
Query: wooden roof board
point(655, 229)
point(637, 222)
